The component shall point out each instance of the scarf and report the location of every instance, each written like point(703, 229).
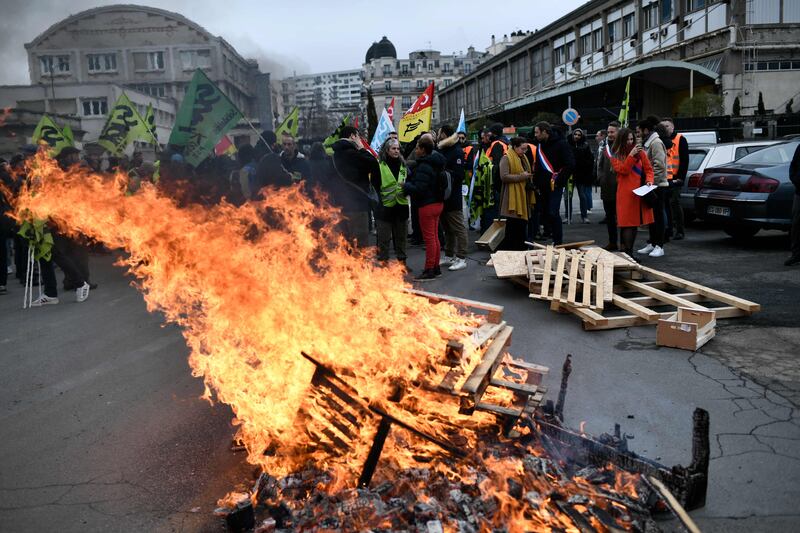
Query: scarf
point(517, 195)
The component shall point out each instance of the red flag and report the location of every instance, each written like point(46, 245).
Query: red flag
point(390, 110)
point(367, 147)
point(355, 123)
point(224, 146)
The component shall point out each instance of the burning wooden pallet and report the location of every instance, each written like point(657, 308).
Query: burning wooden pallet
point(610, 290)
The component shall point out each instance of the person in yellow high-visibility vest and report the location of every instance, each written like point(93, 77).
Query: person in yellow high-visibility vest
point(391, 217)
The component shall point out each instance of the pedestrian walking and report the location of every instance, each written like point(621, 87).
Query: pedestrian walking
point(607, 180)
point(633, 169)
point(515, 198)
point(677, 167)
point(794, 175)
point(582, 177)
point(657, 154)
point(555, 163)
point(424, 186)
point(391, 216)
point(455, 229)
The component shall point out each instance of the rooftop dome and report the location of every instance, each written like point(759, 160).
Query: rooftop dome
point(383, 48)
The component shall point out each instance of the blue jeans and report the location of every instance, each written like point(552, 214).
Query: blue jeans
point(553, 207)
point(585, 198)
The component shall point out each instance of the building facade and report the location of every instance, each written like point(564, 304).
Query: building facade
point(79, 65)
point(322, 98)
point(671, 49)
point(388, 77)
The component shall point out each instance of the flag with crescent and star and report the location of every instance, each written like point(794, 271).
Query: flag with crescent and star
point(417, 119)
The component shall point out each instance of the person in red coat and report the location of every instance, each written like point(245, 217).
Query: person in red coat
point(633, 169)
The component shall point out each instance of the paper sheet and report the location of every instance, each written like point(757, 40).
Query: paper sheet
point(644, 189)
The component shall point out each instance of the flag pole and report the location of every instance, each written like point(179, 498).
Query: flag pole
point(258, 133)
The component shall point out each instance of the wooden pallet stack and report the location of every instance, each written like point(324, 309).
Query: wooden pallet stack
point(610, 290)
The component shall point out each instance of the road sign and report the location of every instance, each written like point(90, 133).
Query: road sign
point(570, 116)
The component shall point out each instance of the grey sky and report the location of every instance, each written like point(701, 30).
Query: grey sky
point(303, 36)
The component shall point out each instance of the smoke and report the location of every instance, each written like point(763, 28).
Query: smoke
point(278, 65)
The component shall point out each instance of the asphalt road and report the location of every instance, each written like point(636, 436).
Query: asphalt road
point(103, 428)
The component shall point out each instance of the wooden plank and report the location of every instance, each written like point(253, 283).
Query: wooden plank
point(601, 283)
point(548, 259)
point(572, 245)
point(635, 308)
point(498, 409)
point(485, 333)
point(608, 282)
point(495, 311)
point(531, 261)
point(660, 295)
point(479, 379)
point(573, 278)
point(559, 274)
point(516, 387)
point(508, 264)
point(532, 367)
point(587, 283)
point(745, 305)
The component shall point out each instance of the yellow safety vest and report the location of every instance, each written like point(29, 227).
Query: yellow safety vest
point(673, 157)
point(392, 188)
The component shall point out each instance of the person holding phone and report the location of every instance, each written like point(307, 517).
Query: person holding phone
point(631, 164)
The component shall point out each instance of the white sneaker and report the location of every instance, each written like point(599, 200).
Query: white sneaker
point(444, 261)
point(44, 300)
point(81, 293)
point(458, 264)
point(657, 252)
point(646, 250)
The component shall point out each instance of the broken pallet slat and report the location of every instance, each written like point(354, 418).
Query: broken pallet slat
point(548, 260)
point(479, 379)
point(660, 295)
point(559, 275)
point(635, 308)
point(495, 311)
point(516, 387)
point(587, 284)
point(573, 278)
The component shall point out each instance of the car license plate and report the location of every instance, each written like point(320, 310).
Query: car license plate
point(716, 210)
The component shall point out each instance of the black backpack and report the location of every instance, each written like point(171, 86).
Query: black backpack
point(444, 182)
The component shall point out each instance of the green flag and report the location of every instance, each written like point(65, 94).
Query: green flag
point(289, 125)
point(124, 125)
point(150, 121)
point(335, 136)
point(206, 114)
point(47, 132)
point(623, 113)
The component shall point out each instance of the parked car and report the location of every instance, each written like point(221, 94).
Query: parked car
point(710, 155)
point(700, 137)
point(750, 194)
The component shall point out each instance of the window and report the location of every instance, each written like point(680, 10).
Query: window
point(387, 70)
point(597, 39)
point(406, 103)
point(448, 82)
point(148, 60)
point(559, 55)
point(419, 67)
point(467, 68)
point(406, 86)
point(404, 70)
point(193, 59)
point(387, 85)
point(692, 5)
point(430, 67)
point(54, 64)
point(666, 11)
point(102, 62)
point(157, 89)
point(420, 84)
point(650, 15)
point(95, 107)
point(613, 31)
point(628, 25)
point(570, 46)
point(447, 67)
point(586, 44)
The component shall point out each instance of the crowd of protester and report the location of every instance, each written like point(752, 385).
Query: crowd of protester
point(409, 195)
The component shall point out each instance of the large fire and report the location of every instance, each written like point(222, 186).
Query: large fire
point(252, 287)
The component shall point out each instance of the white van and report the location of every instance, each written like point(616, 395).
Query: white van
point(700, 137)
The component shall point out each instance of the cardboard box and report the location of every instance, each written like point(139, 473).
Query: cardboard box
point(687, 329)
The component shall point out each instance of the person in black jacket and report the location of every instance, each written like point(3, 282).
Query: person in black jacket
point(495, 148)
point(455, 229)
point(554, 165)
point(424, 187)
point(674, 209)
point(293, 161)
point(355, 165)
point(582, 177)
point(794, 175)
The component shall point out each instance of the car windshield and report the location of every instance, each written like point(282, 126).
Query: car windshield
point(696, 158)
point(780, 154)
